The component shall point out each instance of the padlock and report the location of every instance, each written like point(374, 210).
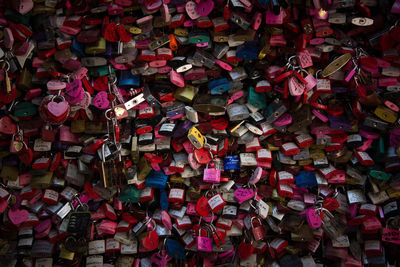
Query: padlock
point(258, 231)
point(216, 202)
point(203, 243)
point(78, 220)
point(196, 138)
point(212, 175)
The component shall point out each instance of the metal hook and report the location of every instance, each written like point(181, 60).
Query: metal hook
point(316, 73)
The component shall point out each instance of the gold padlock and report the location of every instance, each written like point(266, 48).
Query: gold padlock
point(65, 53)
point(159, 22)
point(66, 254)
point(393, 193)
point(42, 181)
point(317, 154)
point(176, 179)
point(186, 94)
point(272, 147)
point(244, 35)
point(336, 65)
point(94, 127)
point(39, 9)
point(9, 173)
point(305, 162)
point(219, 37)
point(96, 48)
point(133, 29)
point(144, 168)
point(385, 114)
point(78, 126)
point(135, 150)
point(182, 32)
point(25, 80)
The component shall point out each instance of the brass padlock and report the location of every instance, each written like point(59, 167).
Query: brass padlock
point(25, 80)
point(77, 126)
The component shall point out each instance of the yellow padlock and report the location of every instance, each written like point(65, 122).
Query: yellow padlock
point(96, 48)
point(181, 32)
point(385, 114)
point(196, 138)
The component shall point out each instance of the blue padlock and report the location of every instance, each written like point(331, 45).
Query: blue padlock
point(78, 48)
point(257, 99)
point(306, 179)
point(246, 51)
point(175, 249)
point(231, 163)
point(163, 199)
point(59, 146)
point(108, 49)
point(128, 80)
point(156, 179)
point(263, 3)
point(219, 86)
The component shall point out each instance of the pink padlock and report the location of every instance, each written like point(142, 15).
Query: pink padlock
point(164, 70)
point(203, 243)
point(108, 227)
point(283, 120)
point(158, 63)
point(192, 162)
point(311, 82)
point(155, 166)
point(223, 65)
point(305, 59)
point(176, 78)
point(320, 115)
point(271, 18)
point(8, 38)
point(211, 175)
point(257, 19)
point(23, 6)
point(191, 10)
point(204, 8)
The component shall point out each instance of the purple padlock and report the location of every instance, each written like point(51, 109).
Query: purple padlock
point(339, 123)
point(182, 129)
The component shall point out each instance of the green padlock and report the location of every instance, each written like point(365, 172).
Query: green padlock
point(377, 173)
point(199, 37)
point(99, 71)
point(25, 110)
point(129, 194)
point(256, 99)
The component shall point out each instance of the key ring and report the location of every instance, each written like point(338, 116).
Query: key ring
point(7, 64)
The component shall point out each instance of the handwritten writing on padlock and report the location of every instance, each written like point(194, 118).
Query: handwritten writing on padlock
point(313, 219)
point(295, 87)
point(74, 91)
point(391, 235)
point(101, 101)
point(203, 243)
point(211, 175)
point(243, 194)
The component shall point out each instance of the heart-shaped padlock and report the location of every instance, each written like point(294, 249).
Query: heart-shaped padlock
point(57, 110)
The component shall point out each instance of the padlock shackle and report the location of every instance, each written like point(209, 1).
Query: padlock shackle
point(255, 218)
point(7, 69)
